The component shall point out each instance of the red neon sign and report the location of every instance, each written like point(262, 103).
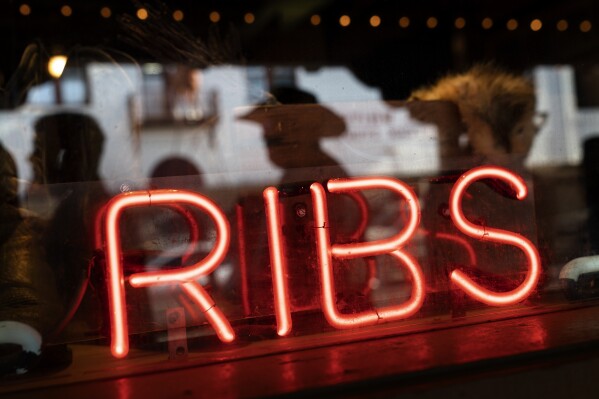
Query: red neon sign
point(494, 235)
point(390, 246)
point(186, 275)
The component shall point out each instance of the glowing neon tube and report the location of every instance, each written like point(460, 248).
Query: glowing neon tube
point(278, 261)
point(484, 233)
point(326, 253)
point(194, 229)
point(206, 265)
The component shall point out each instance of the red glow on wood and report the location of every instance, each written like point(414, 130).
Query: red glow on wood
point(362, 204)
point(370, 281)
point(98, 228)
point(184, 275)
point(390, 246)
point(484, 233)
point(278, 261)
point(364, 214)
point(243, 267)
point(460, 241)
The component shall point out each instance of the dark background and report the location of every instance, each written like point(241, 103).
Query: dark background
point(388, 56)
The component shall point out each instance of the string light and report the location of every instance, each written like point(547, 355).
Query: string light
point(24, 9)
point(375, 21)
point(562, 25)
point(214, 16)
point(432, 22)
point(105, 12)
point(178, 15)
point(344, 20)
point(66, 11)
point(249, 18)
point(585, 26)
point(487, 23)
point(536, 25)
point(512, 24)
point(142, 14)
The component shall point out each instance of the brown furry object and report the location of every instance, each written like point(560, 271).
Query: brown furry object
point(496, 109)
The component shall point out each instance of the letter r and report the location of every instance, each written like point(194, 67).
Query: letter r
point(185, 276)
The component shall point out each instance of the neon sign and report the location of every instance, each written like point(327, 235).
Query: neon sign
point(483, 233)
point(184, 276)
point(393, 246)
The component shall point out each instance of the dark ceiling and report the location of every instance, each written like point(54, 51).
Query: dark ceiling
point(388, 56)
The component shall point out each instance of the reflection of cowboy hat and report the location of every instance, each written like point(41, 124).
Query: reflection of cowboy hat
point(291, 111)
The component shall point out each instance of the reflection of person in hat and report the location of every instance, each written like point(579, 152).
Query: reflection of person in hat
point(293, 125)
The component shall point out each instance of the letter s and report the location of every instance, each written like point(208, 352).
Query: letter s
point(494, 235)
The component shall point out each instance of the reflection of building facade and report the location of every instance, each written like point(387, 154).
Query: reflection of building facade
point(219, 141)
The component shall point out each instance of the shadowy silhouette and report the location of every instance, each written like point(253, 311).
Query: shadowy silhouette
point(293, 125)
point(65, 160)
